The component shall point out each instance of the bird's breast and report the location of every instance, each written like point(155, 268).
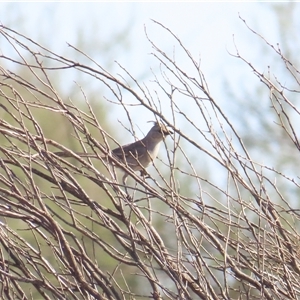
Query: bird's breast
point(153, 151)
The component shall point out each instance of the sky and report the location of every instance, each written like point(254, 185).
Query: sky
point(206, 29)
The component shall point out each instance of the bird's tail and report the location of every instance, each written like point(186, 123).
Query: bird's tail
point(81, 154)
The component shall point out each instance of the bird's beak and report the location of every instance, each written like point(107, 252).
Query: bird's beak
point(168, 131)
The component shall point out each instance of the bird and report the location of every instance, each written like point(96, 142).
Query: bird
point(140, 154)
point(137, 155)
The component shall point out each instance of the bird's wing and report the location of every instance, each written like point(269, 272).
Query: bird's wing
point(136, 149)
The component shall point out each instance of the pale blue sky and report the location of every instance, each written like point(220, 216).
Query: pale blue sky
point(206, 29)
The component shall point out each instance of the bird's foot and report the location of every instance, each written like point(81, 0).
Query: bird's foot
point(144, 174)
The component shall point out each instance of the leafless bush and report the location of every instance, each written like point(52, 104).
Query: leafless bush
point(70, 230)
